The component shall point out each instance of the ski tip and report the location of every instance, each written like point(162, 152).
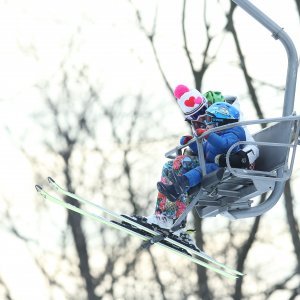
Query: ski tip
point(38, 188)
point(51, 180)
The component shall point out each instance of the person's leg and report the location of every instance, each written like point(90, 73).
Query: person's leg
point(180, 165)
point(161, 206)
point(181, 185)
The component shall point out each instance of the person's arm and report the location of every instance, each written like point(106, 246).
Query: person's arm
point(236, 160)
point(222, 142)
point(185, 139)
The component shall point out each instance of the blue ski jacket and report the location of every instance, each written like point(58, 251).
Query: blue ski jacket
point(216, 143)
point(220, 142)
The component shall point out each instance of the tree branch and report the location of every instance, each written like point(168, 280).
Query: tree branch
point(292, 222)
point(249, 81)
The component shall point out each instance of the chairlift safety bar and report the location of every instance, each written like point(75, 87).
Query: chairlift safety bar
point(289, 95)
point(173, 152)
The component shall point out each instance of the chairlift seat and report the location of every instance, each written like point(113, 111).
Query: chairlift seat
point(234, 192)
point(274, 166)
point(270, 157)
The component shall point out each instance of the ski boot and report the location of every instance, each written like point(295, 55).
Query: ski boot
point(160, 221)
point(154, 222)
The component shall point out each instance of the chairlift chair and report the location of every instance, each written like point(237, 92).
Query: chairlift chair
point(229, 191)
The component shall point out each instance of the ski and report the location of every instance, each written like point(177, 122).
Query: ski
point(131, 221)
point(132, 227)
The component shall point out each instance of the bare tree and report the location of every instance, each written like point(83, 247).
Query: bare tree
point(298, 6)
point(73, 136)
point(6, 293)
point(100, 149)
point(205, 291)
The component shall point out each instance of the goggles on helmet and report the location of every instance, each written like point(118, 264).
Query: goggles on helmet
point(212, 120)
point(198, 119)
point(209, 119)
point(196, 115)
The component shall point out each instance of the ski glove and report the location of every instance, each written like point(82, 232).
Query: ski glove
point(185, 139)
point(200, 131)
point(236, 160)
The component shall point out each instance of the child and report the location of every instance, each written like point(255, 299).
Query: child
point(194, 105)
point(216, 143)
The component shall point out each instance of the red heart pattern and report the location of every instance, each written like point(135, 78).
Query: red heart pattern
point(190, 102)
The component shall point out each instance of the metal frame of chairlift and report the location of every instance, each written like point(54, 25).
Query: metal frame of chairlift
point(229, 191)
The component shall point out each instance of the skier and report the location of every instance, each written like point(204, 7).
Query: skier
point(194, 105)
point(215, 144)
point(245, 158)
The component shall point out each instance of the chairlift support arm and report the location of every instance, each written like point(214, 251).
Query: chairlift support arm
point(279, 34)
point(289, 96)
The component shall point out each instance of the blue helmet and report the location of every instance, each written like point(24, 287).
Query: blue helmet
point(221, 113)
